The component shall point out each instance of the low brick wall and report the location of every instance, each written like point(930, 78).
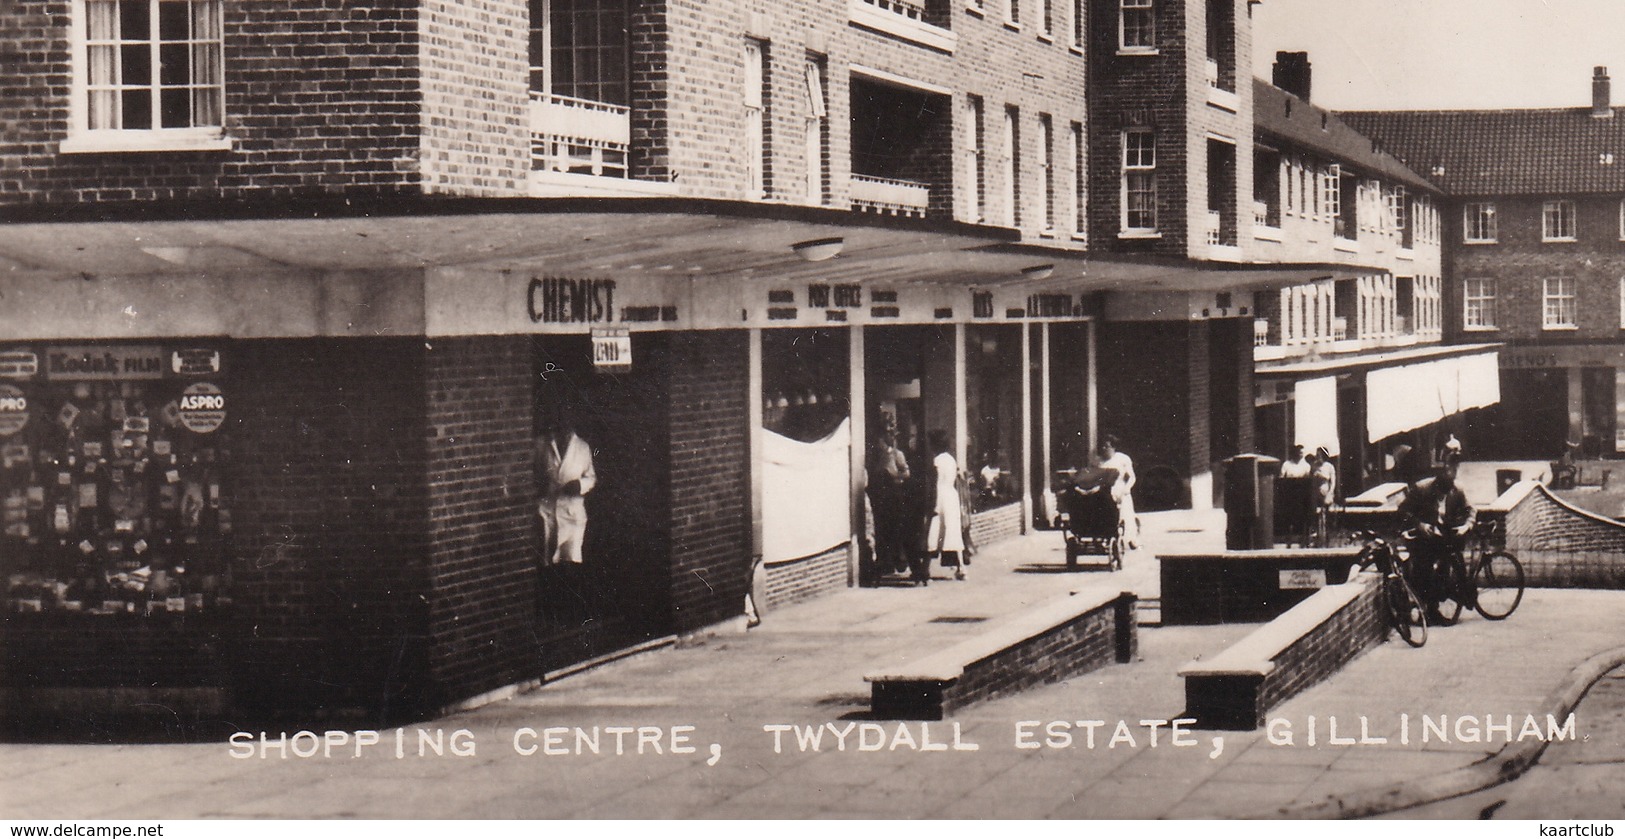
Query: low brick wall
point(994, 524)
point(1560, 545)
point(802, 579)
point(1045, 644)
point(1246, 586)
point(1236, 688)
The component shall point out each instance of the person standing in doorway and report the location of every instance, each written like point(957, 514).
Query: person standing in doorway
point(1123, 490)
point(944, 536)
point(567, 476)
point(888, 499)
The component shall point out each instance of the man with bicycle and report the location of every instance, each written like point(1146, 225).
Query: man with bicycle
point(1438, 517)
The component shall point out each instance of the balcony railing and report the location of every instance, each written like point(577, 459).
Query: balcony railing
point(1214, 223)
point(1261, 332)
point(890, 196)
point(1212, 69)
point(1261, 214)
point(906, 8)
point(579, 136)
point(1340, 328)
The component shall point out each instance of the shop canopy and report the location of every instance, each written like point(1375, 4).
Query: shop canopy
point(1410, 396)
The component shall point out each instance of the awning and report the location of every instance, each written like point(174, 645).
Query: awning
point(1410, 396)
point(1315, 414)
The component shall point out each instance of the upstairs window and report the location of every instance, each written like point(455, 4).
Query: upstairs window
point(1478, 304)
point(148, 75)
point(1478, 222)
point(754, 99)
point(1557, 221)
point(579, 50)
point(1559, 309)
point(1139, 181)
point(1137, 26)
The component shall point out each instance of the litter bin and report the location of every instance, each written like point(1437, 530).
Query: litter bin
point(1505, 478)
point(1249, 501)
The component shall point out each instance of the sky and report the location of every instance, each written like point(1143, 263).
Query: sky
point(1425, 54)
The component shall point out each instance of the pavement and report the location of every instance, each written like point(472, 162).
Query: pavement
point(724, 726)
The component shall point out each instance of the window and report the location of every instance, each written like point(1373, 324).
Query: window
point(1047, 19)
point(1478, 304)
point(1012, 12)
point(579, 50)
point(817, 133)
point(1078, 23)
point(1012, 167)
point(148, 76)
point(1046, 140)
point(1557, 221)
point(1139, 180)
point(1558, 309)
point(1080, 182)
point(976, 156)
point(1478, 222)
point(1137, 28)
point(754, 97)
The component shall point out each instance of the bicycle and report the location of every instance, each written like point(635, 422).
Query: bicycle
point(1404, 609)
point(1492, 584)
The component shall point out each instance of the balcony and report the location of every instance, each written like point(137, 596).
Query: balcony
point(1261, 332)
point(890, 196)
point(1340, 328)
point(923, 22)
point(1210, 229)
point(579, 136)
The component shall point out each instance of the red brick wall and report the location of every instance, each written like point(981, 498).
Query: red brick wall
point(321, 97)
point(476, 122)
point(1560, 546)
point(710, 477)
point(804, 579)
point(1319, 654)
point(482, 494)
point(326, 474)
point(1520, 261)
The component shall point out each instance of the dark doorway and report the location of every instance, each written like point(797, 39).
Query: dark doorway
point(619, 594)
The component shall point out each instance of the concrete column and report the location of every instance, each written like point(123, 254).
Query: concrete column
point(859, 412)
point(1093, 399)
point(1030, 488)
point(1044, 401)
point(961, 398)
point(755, 412)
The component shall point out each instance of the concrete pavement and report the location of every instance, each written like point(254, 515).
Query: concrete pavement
point(716, 700)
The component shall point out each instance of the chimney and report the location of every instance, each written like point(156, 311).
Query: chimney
point(1602, 105)
point(1292, 73)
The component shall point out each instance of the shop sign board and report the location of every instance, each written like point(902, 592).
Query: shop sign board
point(612, 349)
point(13, 410)
point(202, 408)
point(194, 362)
point(104, 363)
point(1302, 578)
point(18, 364)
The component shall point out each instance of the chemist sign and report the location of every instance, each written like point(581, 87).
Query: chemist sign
point(202, 408)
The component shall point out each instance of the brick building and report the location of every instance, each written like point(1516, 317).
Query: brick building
point(1534, 226)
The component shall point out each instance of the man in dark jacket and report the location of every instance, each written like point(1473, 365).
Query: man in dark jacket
point(1439, 515)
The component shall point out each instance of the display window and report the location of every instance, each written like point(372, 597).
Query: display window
point(112, 491)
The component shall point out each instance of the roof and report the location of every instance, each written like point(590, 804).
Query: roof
point(1505, 152)
point(1283, 116)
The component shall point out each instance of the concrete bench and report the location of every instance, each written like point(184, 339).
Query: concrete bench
point(1311, 641)
point(1047, 643)
point(1246, 586)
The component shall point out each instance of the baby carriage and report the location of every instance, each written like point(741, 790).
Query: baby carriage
point(1092, 524)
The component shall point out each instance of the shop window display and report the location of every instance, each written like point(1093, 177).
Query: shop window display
point(112, 497)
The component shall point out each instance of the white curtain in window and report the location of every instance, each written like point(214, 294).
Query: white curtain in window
point(806, 494)
point(101, 19)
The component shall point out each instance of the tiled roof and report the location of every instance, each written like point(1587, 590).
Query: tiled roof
point(1294, 122)
point(1505, 152)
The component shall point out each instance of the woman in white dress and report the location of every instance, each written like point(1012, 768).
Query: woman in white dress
point(1122, 491)
point(944, 536)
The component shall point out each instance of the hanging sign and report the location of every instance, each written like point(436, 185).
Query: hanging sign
point(13, 410)
point(612, 349)
point(202, 408)
point(194, 362)
point(18, 364)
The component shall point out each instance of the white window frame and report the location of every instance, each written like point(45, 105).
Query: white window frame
point(1138, 8)
point(1046, 163)
point(1478, 304)
point(976, 156)
point(1080, 183)
point(1559, 221)
point(754, 106)
point(1139, 175)
point(1012, 167)
point(1555, 313)
point(1012, 13)
point(817, 121)
point(87, 133)
point(1486, 231)
point(1080, 24)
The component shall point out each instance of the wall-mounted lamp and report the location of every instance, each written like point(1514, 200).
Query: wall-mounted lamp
point(1038, 272)
point(818, 250)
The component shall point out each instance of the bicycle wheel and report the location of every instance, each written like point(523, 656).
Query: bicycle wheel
point(1406, 614)
point(1449, 585)
point(1499, 580)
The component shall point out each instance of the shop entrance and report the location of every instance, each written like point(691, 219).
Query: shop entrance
point(908, 391)
point(618, 594)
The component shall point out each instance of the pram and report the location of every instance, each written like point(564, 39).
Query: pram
point(1091, 522)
